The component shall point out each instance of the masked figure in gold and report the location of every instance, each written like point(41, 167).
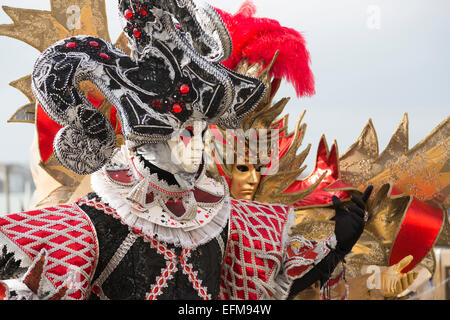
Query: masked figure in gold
point(380, 266)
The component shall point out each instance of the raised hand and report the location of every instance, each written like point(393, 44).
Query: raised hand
point(393, 281)
point(350, 220)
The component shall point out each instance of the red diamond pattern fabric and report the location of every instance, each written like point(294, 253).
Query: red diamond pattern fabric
point(68, 236)
point(254, 248)
point(256, 264)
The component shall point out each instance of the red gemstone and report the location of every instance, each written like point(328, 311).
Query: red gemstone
point(136, 33)
point(143, 12)
point(71, 45)
point(104, 55)
point(93, 44)
point(177, 108)
point(185, 88)
point(128, 13)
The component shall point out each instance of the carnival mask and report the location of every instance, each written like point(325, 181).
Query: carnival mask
point(174, 77)
point(245, 181)
point(188, 146)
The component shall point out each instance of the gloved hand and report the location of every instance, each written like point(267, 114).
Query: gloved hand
point(350, 220)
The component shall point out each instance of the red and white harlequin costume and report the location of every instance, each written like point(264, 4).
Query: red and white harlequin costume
point(153, 229)
point(250, 241)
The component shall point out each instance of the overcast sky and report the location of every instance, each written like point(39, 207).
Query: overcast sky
point(371, 59)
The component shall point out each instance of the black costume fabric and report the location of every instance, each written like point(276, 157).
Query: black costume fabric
point(141, 266)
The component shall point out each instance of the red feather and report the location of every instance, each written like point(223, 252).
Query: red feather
point(248, 8)
point(257, 40)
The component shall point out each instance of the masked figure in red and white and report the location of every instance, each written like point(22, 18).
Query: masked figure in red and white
point(157, 226)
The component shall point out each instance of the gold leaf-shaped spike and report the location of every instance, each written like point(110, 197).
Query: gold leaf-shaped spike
point(24, 85)
point(264, 118)
point(300, 129)
point(424, 175)
point(439, 134)
point(313, 230)
point(265, 77)
point(386, 214)
point(300, 158)
point(122, 44)
point(356, 162)
point(273, 190)
point(313, 214)
point(265, 74)
point(25, 114)
point(397, 146)
point(287, 160)
point(276, 183)
point(286, 198)
point(423, 171)
point(37, 28)
point(281, 124)
point(81, 17)
point(256, 70)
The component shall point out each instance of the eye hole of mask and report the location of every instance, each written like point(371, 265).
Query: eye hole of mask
point(187, 134)
point(242, 168)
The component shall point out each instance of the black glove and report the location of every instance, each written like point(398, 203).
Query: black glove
point(350, 221)
point(349, 227)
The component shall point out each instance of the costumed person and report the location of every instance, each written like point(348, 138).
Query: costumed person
point(156, 226)
point(379, 266)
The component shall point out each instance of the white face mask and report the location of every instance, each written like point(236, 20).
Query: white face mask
point(187, 146)
point(181, 155)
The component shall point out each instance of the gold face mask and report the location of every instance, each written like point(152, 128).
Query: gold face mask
point(245, 181)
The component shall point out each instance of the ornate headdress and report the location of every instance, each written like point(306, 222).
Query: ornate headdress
point(175, 77)
point(265, 49)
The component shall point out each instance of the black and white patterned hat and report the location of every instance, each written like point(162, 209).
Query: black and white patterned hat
point(173, 77)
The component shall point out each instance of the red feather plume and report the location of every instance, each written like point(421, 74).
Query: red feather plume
point(258, 39)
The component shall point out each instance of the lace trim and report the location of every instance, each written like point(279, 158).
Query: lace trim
point(208, 223)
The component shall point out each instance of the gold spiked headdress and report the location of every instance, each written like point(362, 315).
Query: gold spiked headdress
point(272, 187)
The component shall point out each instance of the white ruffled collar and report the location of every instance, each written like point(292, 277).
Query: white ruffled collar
point(121, 184)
